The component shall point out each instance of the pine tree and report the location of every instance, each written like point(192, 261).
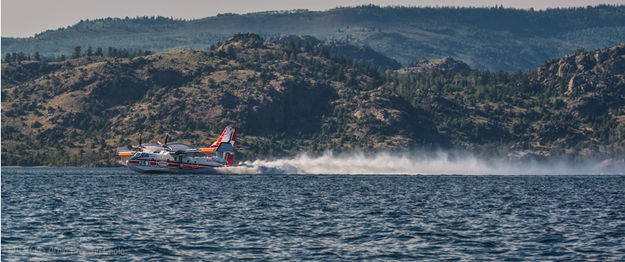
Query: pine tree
point(89, 51)
point(17, 57)
point(98, 52)
point(37, 57)
point(76, 53)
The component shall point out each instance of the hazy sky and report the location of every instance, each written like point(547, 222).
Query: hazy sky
point(28, 17)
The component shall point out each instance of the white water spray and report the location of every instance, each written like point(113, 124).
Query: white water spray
point(440, 162)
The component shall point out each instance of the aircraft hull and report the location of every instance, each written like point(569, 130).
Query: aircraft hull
point(145, 166)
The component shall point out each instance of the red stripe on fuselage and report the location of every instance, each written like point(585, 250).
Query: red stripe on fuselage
point(165, 164)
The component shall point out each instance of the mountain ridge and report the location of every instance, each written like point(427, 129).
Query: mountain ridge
point(286, 98)
point(485, 38)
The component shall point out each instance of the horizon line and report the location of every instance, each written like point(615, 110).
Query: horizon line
point(496, 6)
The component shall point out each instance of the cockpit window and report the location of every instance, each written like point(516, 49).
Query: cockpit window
point(140, 155)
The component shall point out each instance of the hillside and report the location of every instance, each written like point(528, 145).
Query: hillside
point(286, 98)
point(569, 106)
point(485, 38)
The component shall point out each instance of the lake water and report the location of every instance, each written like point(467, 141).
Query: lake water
point(114, 214)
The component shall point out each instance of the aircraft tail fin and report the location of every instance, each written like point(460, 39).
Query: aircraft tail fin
point(225, 144)
point(227, 136)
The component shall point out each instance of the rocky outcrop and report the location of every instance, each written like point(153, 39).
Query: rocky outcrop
point(585, 71)
point(592, 82)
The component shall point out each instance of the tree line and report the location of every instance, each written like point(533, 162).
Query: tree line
point(77, 53)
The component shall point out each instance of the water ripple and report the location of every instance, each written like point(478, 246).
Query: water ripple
point(111, 214)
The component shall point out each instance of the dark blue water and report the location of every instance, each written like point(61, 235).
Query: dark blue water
point(113, 214)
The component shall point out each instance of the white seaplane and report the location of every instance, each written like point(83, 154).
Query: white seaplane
point(180, 158)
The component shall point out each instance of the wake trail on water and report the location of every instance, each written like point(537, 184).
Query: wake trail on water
point(433, 163)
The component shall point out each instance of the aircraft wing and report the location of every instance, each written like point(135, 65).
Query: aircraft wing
point(223, 147)
point(122, 151)
point(194, 151)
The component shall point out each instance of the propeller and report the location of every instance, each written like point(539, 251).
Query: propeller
point(140, 143)
point(166, 138)
point(164, 145)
